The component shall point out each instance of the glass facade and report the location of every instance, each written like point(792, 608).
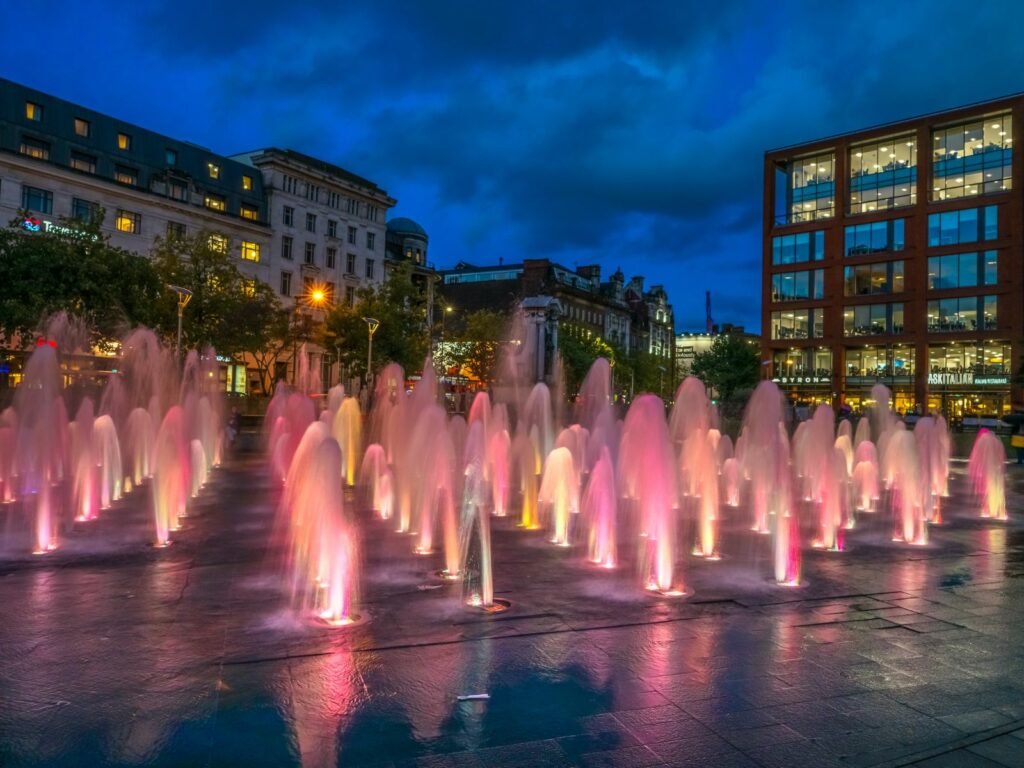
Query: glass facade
point(806, 189)
point(990, 358)
point(972, 158)
point(794, 249)
point(883, 175)
point(868, 279)
point(798, 324)
point(963, 270)
point(873, 319)
point(794, 286)
point(966, 313)
point(873, 238)
point(810, 362)
point(892, 361)
point(968, 225)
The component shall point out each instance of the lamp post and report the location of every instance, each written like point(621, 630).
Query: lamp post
point(184, 297)
point(371, 327)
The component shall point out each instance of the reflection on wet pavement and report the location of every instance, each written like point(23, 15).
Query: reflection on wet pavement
point(124, 655)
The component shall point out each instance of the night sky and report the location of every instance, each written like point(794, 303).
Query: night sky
point(620, 133)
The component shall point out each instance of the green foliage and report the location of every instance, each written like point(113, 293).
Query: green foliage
point(480, 340)
point(731, 365)
point(76, 271)
point(229, 312)
point(579, 349)
point(643, 372)
point(402, 336)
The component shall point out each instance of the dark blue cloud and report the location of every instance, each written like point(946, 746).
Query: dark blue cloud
point(624, 134)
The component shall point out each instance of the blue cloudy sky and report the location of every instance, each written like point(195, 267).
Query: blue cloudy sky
point(620, 133)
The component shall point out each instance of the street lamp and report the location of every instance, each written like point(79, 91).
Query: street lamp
point(184, 297)
point(371, 326)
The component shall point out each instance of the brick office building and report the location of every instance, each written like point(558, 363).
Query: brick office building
point(894, 255)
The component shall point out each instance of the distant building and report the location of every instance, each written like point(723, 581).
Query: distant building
point(406, 243)
point(689, 345)
point(619, 312)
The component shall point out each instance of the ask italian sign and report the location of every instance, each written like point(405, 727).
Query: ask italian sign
point(965, 377)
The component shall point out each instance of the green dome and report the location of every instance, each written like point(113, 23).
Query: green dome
point(404, 226)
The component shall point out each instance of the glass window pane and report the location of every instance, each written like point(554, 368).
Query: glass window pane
point(991, 267)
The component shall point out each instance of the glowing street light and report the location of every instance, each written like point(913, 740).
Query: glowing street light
point(184, 297)
point(372, 324)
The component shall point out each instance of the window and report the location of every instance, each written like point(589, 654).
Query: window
point(985, 358)
point(177, 190)
point(249, 287)
point(33, 111)
point(124, 142)
point(250, 212)
point(171, 157)
point(805, 189)
point(218, 243)
point(350, 264)
point(803, 363)
point(972, 158)
point(882, 362)
point(36, 148)
point(311, 222)
point(350, 295)
point(332, 228)
point(286, 283)
point(129, 222)
point(798, 324)
point(967, 313)
point(873, 319)
point(250, 251)
point(352, 235)
point(312, 191)
point(332, 258)
point(353, 206)
point(291, 185)
point(370, 240)
point(868, 279)
point(793, 286)
point(787, 249)
point(175, 230)
point(964, 226)
point(125, 175)
point(310, 254)
point(289, 216)
point(83, 210)
point(34, 199)
point(369, 269)
point(83, 162)
point(883, 174)
point(214, 202)
point(875, 237)
point(213, 170)
point(963, 270)
point(82, 128)
point(286, 248)
point(246, 183)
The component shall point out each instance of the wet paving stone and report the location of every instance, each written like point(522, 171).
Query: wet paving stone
point(115, 654)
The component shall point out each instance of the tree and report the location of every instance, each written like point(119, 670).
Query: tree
point(72, 268)
point(478, 344)
point(640, 371)
point(402, 335)
point(579, 349)
point(731, 364)
point(231, 313)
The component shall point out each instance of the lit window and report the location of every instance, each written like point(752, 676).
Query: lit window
point(171, 156)
point(214, 202)
point(124, 175)
point(218, 243)
point(83, 162)
point(129, 222)
point(214, 170)
point(249, 288)
point(250, 251)
point(33, 111)
point(249, 212)
point(972, 158)
point(40, 150)
point(82, 127)
point(124, 142)
point(247, 183)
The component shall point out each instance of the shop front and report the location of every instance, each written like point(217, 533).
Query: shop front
point(804, 375)
point(888, 364)
point(969, 379)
